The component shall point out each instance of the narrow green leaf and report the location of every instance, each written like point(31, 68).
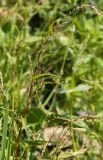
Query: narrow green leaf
point(71, 154)
point(4, 134)
point(79, 88)
point(43, 75)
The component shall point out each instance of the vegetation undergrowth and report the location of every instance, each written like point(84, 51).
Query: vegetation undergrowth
point(51, 80)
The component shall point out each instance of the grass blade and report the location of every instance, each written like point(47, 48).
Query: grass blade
point(4, 134)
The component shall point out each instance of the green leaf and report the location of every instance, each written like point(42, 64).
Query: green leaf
point(32, 39)
point(79, 88)
point(35, 116)
point(42, 75)
point(4, 134)
point(71, 154)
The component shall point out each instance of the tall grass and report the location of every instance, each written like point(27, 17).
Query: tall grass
point(51, 80)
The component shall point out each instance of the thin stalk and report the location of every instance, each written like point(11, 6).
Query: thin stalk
point(71, 126)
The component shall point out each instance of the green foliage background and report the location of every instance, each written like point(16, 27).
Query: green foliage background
point(51, 65)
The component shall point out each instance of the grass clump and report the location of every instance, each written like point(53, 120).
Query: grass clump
point(51, 80)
